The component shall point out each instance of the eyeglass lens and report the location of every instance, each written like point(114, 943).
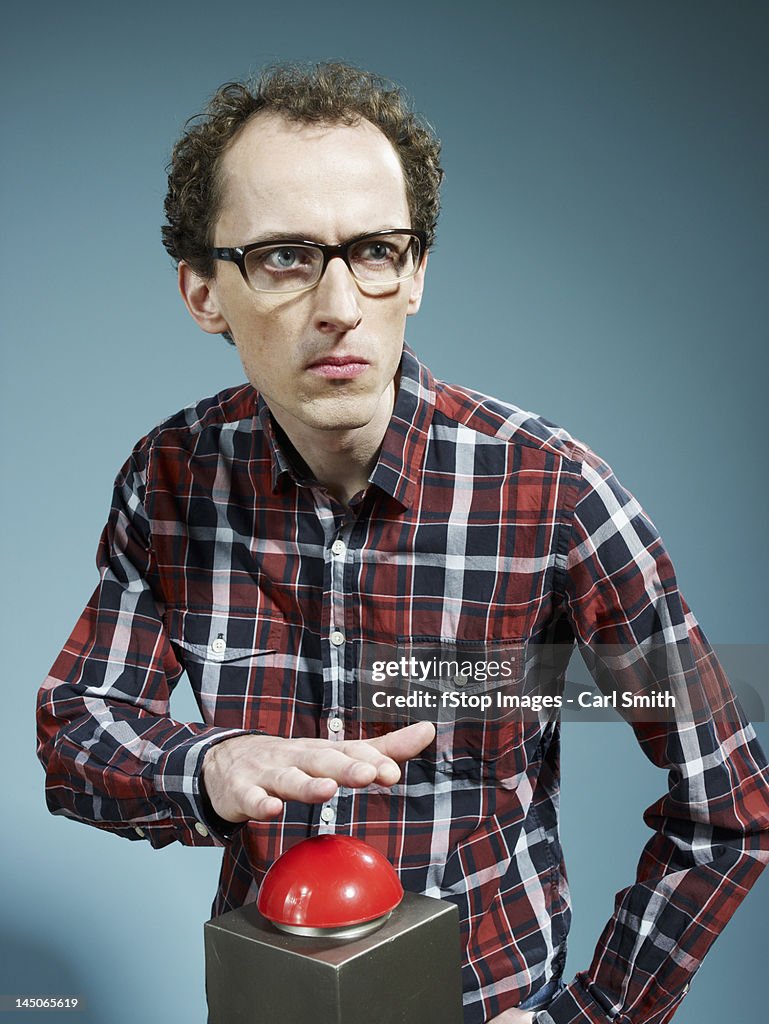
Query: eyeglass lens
point(374, 260)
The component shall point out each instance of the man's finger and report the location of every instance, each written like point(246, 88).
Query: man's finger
point(401, 744)
point(292, 783)
point(513, 1017)
point(386, 753)
point(258, 805)
point(347, 766)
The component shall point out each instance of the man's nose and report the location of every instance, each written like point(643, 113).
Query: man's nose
point(336, 299)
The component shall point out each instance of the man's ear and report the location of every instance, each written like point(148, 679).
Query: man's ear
point(199, 296)
point(417, 287)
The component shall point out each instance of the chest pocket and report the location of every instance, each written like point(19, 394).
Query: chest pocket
point(472, 690)
point(233, 663)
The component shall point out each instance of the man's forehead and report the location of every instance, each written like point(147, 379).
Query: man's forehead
point(281, 175)
point(268, 139)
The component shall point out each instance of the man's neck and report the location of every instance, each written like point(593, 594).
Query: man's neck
point(340, 460)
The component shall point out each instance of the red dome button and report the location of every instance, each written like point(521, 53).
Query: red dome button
point(330, 885)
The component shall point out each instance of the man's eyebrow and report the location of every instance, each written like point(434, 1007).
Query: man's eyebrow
point(295, 236)
point(277, 236)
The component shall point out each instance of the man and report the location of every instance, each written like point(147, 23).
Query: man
point(343, 498)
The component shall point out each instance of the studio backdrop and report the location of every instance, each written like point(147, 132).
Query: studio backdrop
point(601, 259)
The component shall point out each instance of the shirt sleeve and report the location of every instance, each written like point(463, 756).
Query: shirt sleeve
point(711, 829)
point(114, 758)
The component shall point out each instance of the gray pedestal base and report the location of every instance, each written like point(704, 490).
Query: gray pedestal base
point(407, 972)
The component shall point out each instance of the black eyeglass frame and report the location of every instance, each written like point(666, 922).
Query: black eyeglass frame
point(237, 254)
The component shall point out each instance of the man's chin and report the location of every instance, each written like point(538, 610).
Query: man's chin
point(334, 424)
point(340, 414)
point(337, 413)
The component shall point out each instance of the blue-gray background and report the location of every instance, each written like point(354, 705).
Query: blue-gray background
point(602, 259)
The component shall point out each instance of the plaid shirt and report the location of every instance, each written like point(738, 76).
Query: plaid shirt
point(482, 524)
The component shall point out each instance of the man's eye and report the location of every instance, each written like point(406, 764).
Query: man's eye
point(379, 251)
point(283, 259)
point(376, 252)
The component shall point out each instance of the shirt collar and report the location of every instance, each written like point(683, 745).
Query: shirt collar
point(400, 459)
point(281, 465)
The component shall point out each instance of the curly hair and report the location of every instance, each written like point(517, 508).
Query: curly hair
point(326, 93)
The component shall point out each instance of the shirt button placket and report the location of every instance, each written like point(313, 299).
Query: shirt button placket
point(337, 559)
point(337, 638)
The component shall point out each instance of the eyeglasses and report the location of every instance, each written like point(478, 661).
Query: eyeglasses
point(294, 264)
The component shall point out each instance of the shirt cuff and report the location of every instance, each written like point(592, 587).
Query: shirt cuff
point(178, 781)
point(573, 1006)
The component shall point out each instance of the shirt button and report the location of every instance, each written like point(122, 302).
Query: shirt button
point(327, 814)
point(338, 548)
point(460, 680)
point(337, 638)
point(139, 831)
point(219, 646)
point(201, 829)
point(335, 724)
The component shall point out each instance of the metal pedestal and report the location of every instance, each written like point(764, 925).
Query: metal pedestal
point(406, 972)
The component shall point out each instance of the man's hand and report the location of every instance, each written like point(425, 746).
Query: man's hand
point(249, 777)
point(513, 1017)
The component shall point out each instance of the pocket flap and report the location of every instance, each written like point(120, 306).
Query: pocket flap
point(223, 637)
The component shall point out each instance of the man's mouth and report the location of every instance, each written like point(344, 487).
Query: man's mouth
point(339, 367)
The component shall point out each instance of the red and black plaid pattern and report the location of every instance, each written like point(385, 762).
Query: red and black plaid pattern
point(482, 524)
